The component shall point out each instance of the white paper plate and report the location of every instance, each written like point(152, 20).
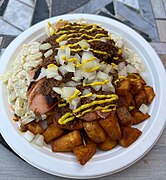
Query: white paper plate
point(103, 163)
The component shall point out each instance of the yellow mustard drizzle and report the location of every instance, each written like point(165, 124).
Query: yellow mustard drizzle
point(61, 105)
point(75, 95)
point(61, 38)
point(85, 106)
point(97, 83)
point(136, 77)
point(85, 61)
point(131, 108)
point(92, 69)
point(70, 116)
point(86, 95)
point(65, 116)
point(86, 35)
point(66, 31)
point(67, 120)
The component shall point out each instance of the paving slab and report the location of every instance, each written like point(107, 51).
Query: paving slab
point(158, 9)
point(3, 5)
point(62, 7)
point(147, 11)
point(18, 14)
point(123, 11)
point(28, 2)
point(161, 25)
point(41, 12)
point(8, 29)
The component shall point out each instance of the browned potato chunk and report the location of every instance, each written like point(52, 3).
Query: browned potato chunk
point(123, 88)
point(129, 135)
point(137, 83)
point(50, 120)
point(94, 131)
point(140, 99)
point(107, 144)
point(111, 126)
point(124, 116)
point(149, 94)
point(125, 100)
point(138, 116)
point(52, 132)
point(35, 128)
point(90, 116)
point(84, 153)
point(67, 142)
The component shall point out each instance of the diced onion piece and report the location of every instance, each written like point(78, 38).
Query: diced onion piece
point(61, 53)
point(38, 140)
point(29, 136)
point(52, 71)
point(121, 66)
point(144, 108)
point(77, 57)
point(84, 45)
point(63, 70)
point(57, 90)
point(103, 39)
point(131, 69)
point(102, 75)
point(96, 88)
point(74, 103)
point(48, 53)
point(62, 43)
point(86, 55)
point(71, 84)
point(67, 52)
point(59, 78)
point(123, 72)
point(102, 66)
point(45, 46)
point(42, 74)
point(108, 68)
point(67, 92)
point(70, 67)
point(86, 91)
point(93, 97)
point(105, 88)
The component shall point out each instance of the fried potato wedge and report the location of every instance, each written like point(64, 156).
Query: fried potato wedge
point(52, 132)
point(140, 99)
point(107, 144)
point(129, 136)
point(125, 100)
point(123, 88)
point(35, 128)
point(67, 142)
point(111, 126)
point(136, 84)
point(149, 94)
point(94, 131)
point(124, 116)
point(138, 116)
point(50, 120)
point(90, 116)
point(84, 152)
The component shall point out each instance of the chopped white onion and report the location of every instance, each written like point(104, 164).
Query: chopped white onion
point(130, 69)
point(102, 75)
point(38, 140)
point(123, 72)
point(61, 53)
point(86, 55)
point(83, 44)
point(96, 88)
point(86, 91)
point(74, 103)
point(62, 43)
point(63, 70)
point(29, 136)
point(105, 88)
point(102, 67)
point(57, 90)
point(121, 65)
point(144, 108)
point(42, 74)
point(71, 84)
point(108, 68)
point(70, 67)
point(59, 78)
point(67, 52)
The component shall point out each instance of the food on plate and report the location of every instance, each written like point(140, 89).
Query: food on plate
point(78, 90)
